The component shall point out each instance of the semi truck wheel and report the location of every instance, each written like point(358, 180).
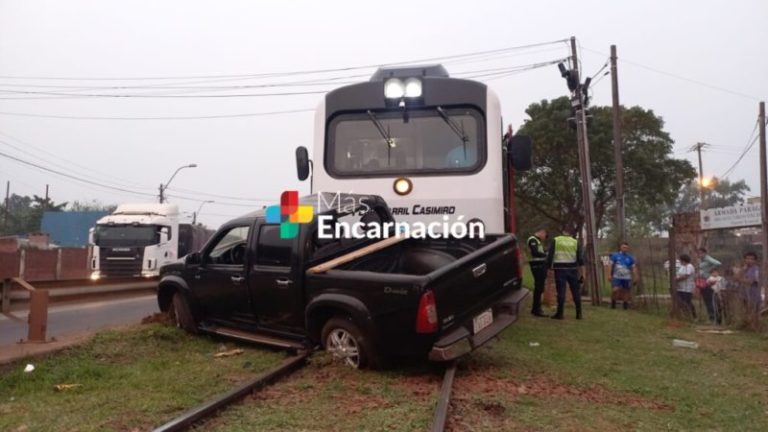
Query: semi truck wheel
point(181, 314)
point(344, 340)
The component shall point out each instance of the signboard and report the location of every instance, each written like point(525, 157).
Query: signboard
point(731, 217)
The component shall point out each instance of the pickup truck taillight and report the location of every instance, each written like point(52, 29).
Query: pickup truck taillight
point(426, 317)
point(519, 262)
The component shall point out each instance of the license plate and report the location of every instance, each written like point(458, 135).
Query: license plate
point(482, 321)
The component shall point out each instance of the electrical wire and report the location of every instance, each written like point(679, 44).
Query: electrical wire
point(679, 77)
point(283, 74)
point(205, 117)
point(751, 142)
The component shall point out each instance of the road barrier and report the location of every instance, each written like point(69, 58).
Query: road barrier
point(17, 290)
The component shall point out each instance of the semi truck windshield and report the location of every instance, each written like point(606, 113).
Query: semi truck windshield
point(429, 141)
point(126, 235)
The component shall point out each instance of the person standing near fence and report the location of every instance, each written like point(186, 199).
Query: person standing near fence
point(750, 282)
point(706, 265)
point(566, 258)
point(538, 263)
point(622, 272)
point(685, 278)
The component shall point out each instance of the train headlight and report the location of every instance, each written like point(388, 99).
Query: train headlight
point(412, 87)
point(394, 88)
point(403, 186)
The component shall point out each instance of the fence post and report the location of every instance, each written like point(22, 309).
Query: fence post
point(58, 264)
point(22, 263)
point(672, 257)
point(6, 296)
point(38, 315)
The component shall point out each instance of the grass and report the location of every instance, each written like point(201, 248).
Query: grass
point(130, 379)
point(615, 370)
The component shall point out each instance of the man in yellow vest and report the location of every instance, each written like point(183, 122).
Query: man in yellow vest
point(565, 257)
point(538, 263)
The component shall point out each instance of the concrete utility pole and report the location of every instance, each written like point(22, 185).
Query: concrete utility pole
point(7, 205)
point(593, 275)
point(617, 147)
point(763, 203)
point(698, 147)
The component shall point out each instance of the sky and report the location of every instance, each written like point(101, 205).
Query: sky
point(701, 65)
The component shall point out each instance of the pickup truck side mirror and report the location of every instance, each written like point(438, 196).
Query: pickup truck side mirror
point(193, 259)
point(519, 152)
point(302, 163)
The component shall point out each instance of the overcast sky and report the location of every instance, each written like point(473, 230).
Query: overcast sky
point(720, 44)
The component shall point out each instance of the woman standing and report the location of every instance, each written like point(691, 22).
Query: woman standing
point(685, 284)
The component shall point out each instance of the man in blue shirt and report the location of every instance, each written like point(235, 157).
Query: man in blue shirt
point(622, 272)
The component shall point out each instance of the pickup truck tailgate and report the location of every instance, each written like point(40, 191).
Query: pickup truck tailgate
point(472, 284)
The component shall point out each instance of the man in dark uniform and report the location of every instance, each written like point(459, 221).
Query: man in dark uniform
point(565, 257)
point(538, 263)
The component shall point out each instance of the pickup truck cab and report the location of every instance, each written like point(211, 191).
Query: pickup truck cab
point(364, 300)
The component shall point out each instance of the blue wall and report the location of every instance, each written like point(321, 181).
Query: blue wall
point(69, 228)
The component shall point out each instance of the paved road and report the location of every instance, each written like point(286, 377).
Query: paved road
point(70, 319)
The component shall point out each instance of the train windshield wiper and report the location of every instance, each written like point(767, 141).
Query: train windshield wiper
point(458, 129)
point(384, 134)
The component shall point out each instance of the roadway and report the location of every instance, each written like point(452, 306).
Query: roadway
point(70, 319)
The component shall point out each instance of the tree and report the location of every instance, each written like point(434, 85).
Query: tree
point(723, 194)
point(552, 190)
point(25, 213)
point(93, 205)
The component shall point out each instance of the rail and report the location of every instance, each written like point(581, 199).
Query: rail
point(209, 408)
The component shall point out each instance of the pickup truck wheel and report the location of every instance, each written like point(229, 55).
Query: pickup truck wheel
point(181, 314)
point(346, 342)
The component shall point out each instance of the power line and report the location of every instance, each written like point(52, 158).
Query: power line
point(750, 143)
point(282, 74)
point(693, 81)
point(220, 116)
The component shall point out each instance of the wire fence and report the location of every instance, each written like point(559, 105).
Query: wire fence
point(732, 306)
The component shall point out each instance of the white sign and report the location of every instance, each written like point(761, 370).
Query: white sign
point(730, 217)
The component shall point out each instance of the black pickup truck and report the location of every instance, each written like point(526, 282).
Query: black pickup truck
point(364, 300)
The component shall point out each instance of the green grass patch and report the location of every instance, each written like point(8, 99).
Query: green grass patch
point(128, 379)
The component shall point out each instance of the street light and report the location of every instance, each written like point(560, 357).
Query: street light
point(194, 215)
point(164, 187)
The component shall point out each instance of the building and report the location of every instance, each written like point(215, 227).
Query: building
point(70, 229)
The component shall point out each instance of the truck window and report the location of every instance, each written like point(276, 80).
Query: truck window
point(425, 144)
point(271, 250)
point(230, 248)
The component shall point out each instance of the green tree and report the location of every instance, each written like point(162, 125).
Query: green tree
point(723, 193)
point(25, 213)
point(93, 205)
point(550, 194)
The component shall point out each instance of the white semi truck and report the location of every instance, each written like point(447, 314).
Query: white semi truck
point(137, 239)
point(432, 146)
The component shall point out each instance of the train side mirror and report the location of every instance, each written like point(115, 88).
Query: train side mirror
point(302, 163)
point(520, 152)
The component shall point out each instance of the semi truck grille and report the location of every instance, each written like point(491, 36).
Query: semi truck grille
point(120, 264)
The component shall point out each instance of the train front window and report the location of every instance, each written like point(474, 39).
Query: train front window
point(423, 142)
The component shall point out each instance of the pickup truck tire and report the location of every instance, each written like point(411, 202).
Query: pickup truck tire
point(181, 314)
point(343, 339)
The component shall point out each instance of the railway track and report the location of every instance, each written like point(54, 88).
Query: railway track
point(212, 406)
point(288, 366)
point(444, 399)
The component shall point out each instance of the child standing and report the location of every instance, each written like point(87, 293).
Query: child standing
point(685, 283)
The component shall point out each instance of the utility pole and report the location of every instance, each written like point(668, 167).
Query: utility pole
point(46, 199)
point(7, 205)
point(162, 196)
point(763, 203)
point(617, 147)
point(698, 147)
point(593, 275)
